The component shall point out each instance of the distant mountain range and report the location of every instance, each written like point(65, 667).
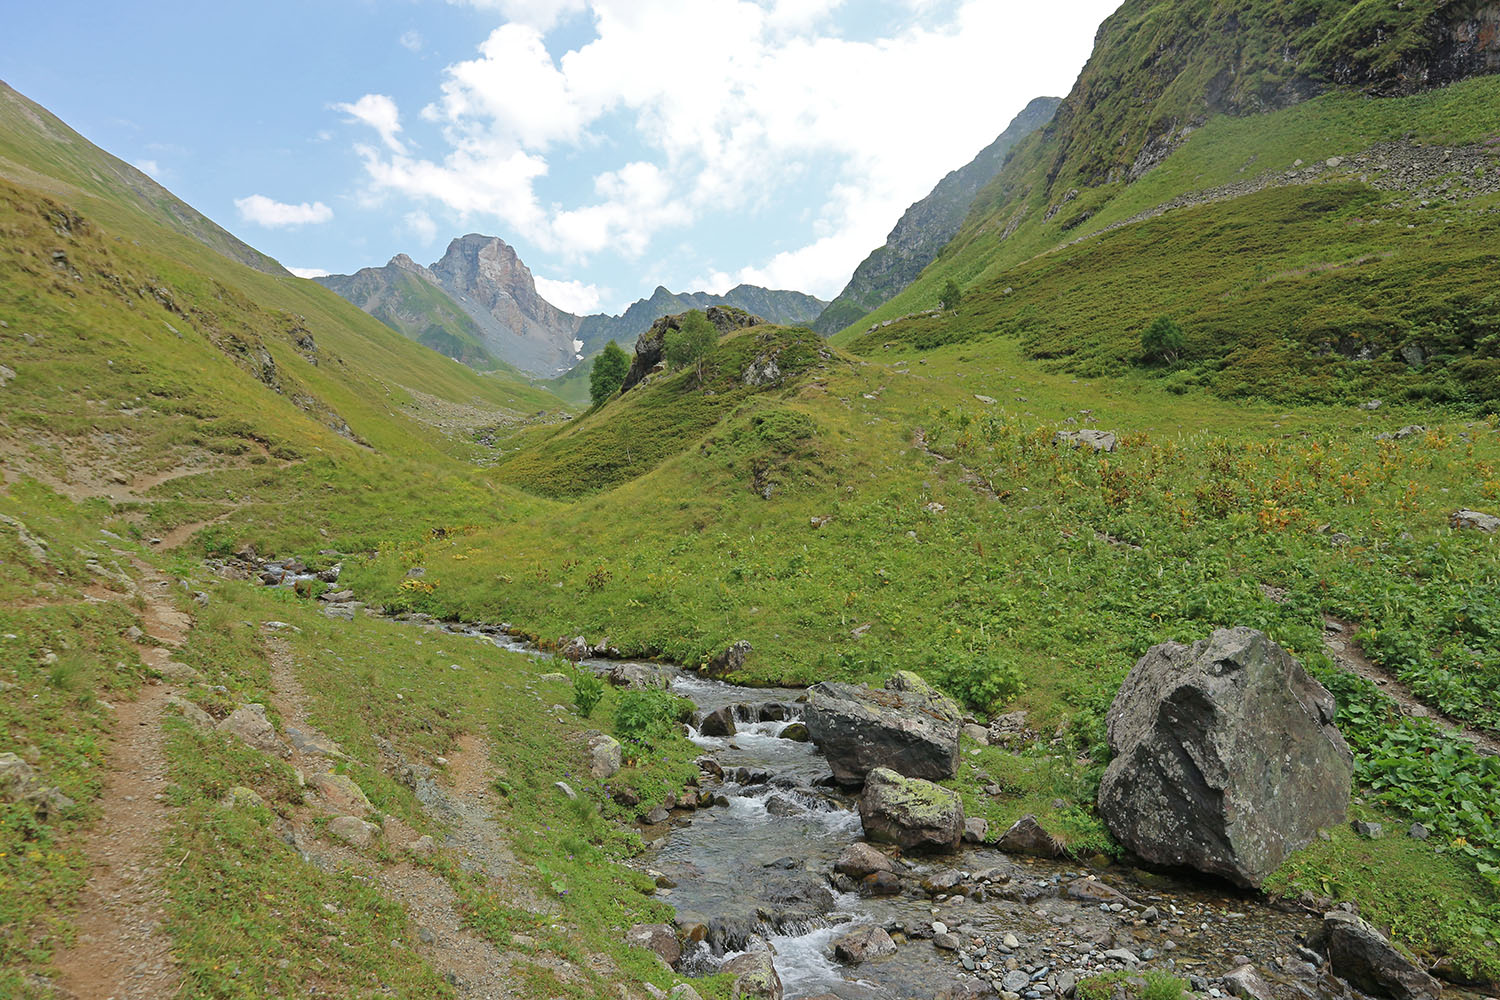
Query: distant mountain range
point(479, 304)
point(928, 225)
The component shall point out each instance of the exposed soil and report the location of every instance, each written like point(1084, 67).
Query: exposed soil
point(1338, 638)
point(122, 950)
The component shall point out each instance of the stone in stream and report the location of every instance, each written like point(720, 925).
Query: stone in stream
point(1226, 758)
point(1363, 957)
point(910, 812)
point(796, 731)
point(860, 859)
point(637, 676)
point(863, 944)
point(755, 977)
point(908, 727)
point(1026, 836)
point(659, 939)
point(719, 722)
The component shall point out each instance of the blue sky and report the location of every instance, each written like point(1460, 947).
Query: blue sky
point(618, 144)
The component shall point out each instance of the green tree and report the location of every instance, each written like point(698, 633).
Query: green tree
point(1162, 341)
point(608, 373)
point(950, 296)
point(690, 343)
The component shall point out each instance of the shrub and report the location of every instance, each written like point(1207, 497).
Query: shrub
point(1162, 341)
point(951, 295)
point(690, 343)
point(608, 372)
point(982, 683)
point(588, 688)
point(648, 716)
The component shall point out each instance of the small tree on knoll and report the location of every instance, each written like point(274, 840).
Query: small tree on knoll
point(608, 373)
point(951, 295)
point(1162, 341)
point(690, 343)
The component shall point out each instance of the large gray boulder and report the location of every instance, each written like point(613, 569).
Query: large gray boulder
point(909, 727)
point(910, 812)
point(754, 975)
point(1226, 758)
point(1360, 955)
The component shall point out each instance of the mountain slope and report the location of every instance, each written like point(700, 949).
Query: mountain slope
point(928, 225)
point(406, 297)
point(38, 150)
point(782, 307)
point(1404, 182)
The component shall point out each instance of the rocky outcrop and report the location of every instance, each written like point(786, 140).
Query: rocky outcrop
point(909, 727)
point(250, 724)
point(1089, 437)
point(659, 939)
point(649, 346)
point(1362, 956)
point(1226, 757)
point(728, 660)
point(777, 306)
point(910, 812)
point(1473, 520)
point(20, 782)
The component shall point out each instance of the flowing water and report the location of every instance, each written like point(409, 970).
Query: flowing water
point(755, 870)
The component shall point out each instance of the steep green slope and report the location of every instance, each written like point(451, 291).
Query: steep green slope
point(927, 226)
point(39, 151)
point(404, 297)
point(1396, 188)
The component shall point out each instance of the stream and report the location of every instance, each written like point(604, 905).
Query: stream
point(754, 870)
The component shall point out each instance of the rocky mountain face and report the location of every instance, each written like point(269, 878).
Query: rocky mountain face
point(480, 303)
point(407, 297)
point(487, 279)
point(928, 225)
point(784, 307)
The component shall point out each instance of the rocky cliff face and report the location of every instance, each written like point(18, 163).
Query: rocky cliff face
point(484, 275)
point(650, 345)
point(406, 297)
point(928, 225)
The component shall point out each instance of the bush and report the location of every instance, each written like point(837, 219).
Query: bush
point(588, 688)
point(982, 683)
point(647, 717)
point(951, 295)
point(690, 343)
point(608, 372)
point(1162, 341)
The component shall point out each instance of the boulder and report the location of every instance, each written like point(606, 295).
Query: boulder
point(340, 793)
point(250, 724)
point(20, 782)
point(860, 859)
point(1088, 436)
point(754, 975)
point(862, 944)
point(908, 727)
point(796, 732)
point(1363, 957)
point(976, 830)
point(977, 734)
point(1226, 758)
point(1473, 520)
point(1026, 836)
point(241, 797)
point(910, 812)
point(605, 757)
point(573, 649)
point(719, 722)
point(190, 711)
point(728, 660)
point(658, 939)
point(1247, 984)
point(636, 675)
point(353, 831)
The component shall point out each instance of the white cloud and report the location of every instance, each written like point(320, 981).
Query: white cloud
point(148, 167)
point(263, 211)
point(379, 112)
point(412, 40)
point(308, 272)
point(421, 226)
point(719, 106)
point(572, 296)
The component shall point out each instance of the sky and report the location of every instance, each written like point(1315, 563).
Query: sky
point(617, 144)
